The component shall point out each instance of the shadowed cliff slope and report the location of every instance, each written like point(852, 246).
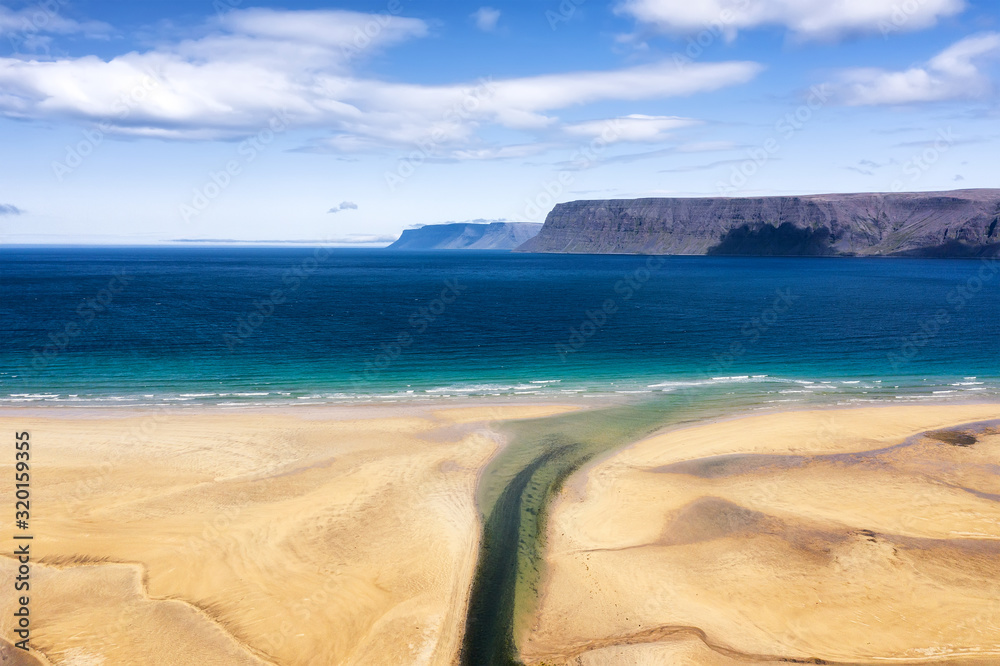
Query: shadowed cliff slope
point(467, 236)
point(959, 223)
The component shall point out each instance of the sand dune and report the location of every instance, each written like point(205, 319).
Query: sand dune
point(318, 537)
point(840, 535)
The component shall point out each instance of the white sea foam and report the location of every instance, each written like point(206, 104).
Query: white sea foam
point(754, 388)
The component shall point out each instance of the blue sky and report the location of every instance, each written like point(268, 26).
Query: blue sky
point(125, 122)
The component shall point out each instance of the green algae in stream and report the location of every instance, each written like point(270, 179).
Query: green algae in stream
point(514, 494)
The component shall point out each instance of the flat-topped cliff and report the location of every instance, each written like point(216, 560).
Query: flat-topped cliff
point(959, 223)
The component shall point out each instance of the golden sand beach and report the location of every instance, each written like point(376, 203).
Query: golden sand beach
point(350, 536)
point(310, 537)
point(845, 536)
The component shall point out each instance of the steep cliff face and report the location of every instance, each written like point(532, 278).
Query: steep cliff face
point(960, 223)
point(467, 236)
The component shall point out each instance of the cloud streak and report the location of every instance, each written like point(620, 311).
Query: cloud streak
point(806, 19)
point(633, 128)
point(9, 209)
point(28, 30)
point(703, 167)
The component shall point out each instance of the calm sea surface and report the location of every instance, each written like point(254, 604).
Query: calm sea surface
point(92, 326)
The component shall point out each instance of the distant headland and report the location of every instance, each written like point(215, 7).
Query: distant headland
point(467, 236)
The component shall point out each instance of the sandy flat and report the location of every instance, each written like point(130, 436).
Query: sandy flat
point(837, 535)
point(252, 538)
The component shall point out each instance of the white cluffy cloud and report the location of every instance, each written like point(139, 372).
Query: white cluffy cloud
point(807, 19)
point(955, 73)
point(486, 18)
point(634, 128)
point(257, 64)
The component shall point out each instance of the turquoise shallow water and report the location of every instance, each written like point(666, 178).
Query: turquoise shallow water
point(261, 326)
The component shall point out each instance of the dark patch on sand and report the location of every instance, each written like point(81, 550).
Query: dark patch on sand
point(715, 467)
point(709, 518)
point(449, 466)
point(953, 437)
point(736, 464)
point(13, 656)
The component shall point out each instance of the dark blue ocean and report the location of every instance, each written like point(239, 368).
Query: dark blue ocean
point(195, 325)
